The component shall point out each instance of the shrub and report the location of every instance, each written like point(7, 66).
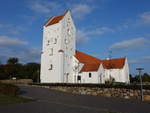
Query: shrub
point(9, 89)
point(110, 81)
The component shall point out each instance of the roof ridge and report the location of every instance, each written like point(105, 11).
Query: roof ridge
point(88, 55)
point(114, 58)
point(55, 19)
point(92, 63)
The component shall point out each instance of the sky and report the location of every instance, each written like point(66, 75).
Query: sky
point(119, 26)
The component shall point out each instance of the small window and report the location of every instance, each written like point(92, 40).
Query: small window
point(51, 67)
point(69, 32)
point(90, 75)
point(48, 42)
point(79, 77)
point(51, 51)
point(55, 41)
point(66, 41)
point(69, 20)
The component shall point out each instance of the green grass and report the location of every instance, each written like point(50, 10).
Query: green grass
point(4, 99)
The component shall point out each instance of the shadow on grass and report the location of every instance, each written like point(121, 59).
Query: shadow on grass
point(5, 99)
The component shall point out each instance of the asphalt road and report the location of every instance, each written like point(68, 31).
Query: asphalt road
point(50, 101)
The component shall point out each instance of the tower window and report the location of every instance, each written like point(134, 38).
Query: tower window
point(78, 77)
point(51, 67)
point(66, 41)
point(69, 32)
point(51, 51)
point(48, 42)
point(55, 41)
point(90, 75)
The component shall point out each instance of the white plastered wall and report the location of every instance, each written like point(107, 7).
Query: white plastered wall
point(61, 61)
point(97, 77)
point(120, 75)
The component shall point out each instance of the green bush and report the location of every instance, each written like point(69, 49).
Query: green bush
point(9, 89)
point(110, 81)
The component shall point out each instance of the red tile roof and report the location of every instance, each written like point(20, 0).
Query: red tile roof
point(114, 63)
point(54, 20)
point(90, 67)
point(85, 58)
point(92, 63)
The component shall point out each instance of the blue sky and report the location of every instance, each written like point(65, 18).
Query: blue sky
point(122, 26)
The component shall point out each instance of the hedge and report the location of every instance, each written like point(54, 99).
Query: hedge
point(8, 89)
point(123, 86)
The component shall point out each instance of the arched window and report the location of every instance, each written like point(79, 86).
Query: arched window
point(51, 51)
point(55, 40)
point(51, 67)
point(48, 42)
point(90, 75)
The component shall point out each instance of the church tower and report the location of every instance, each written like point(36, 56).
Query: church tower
point(58, 49)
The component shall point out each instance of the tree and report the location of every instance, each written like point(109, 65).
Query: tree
point(136, 79)
point(15, 69)
point(146, 77)
point(131, 78)
point(32, 70)
point(3, 75)
point(11, 67)
point(12, 60)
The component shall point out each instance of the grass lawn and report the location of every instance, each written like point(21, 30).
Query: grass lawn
point(12, 99)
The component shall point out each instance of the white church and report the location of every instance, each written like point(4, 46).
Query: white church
point(62, 63)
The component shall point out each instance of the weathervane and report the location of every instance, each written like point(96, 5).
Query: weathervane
point(109, 54)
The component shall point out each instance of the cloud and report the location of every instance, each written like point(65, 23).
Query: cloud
point(30, 19)
point(81, 37)
point(9, 41)
point(133, 44)
point(145, 17)
point(1, 25)
point(145, 59)
point(84, 35)
point(139, 21)
point(40, 8)
point(24, 54)
point(11, 29)
point(45, 7)
point(14, 47)
point(81, 10)
point(100, 31)
point(32, 56)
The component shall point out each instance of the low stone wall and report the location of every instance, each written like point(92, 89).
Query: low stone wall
point(106, 92)
point(19, 81)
